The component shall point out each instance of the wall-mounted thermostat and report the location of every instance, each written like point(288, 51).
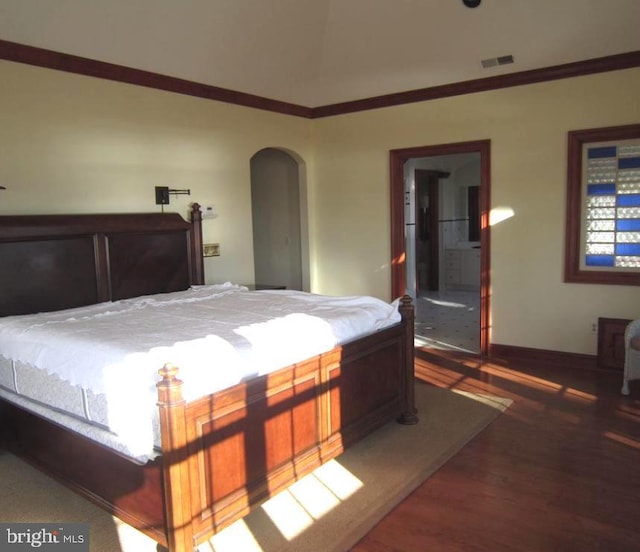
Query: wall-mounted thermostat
point(209, 212)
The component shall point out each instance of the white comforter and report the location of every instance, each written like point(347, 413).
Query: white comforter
point(217, 335)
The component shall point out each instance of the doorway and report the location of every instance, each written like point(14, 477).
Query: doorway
point(455, 229)
point(279, 218)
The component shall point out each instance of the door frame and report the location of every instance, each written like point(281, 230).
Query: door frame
point(397, 160)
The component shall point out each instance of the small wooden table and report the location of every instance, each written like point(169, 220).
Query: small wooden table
point(611, 343)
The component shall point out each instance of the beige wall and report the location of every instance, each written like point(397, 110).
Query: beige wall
point(70, 143)
point(75, 144)
point(527, 126)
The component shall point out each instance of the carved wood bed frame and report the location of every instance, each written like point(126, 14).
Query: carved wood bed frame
point(224, 453)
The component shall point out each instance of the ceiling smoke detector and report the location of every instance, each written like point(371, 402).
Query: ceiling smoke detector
point(494, 62)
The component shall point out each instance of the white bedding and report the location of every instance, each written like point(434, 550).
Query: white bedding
point(217, 335)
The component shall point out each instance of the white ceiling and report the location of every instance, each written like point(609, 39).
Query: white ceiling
point(319, 52)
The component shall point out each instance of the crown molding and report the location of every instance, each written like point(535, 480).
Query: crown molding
point(30, 55)
point(20, 53)
point(568, 70)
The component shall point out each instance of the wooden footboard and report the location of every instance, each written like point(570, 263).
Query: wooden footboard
point(226, 453)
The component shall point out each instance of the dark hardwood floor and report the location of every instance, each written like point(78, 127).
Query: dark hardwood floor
point(558, 471)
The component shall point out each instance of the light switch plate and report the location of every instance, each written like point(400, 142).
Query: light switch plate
point(211, 250)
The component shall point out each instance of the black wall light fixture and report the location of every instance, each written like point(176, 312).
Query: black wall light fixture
point(162, 194)
point(471, 3)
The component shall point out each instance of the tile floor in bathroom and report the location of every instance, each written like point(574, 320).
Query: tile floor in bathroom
point(448, 320)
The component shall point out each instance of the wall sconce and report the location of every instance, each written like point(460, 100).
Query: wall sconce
point(162, 194)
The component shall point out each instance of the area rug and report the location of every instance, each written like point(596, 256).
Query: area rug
point(329, 510)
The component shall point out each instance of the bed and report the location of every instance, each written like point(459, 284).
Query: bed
point(222, 453)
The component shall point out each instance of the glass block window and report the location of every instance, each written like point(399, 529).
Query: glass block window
point(611, 232)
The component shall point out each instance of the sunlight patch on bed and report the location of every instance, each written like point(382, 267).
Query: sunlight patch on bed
point(130, 406)
point(288, 339)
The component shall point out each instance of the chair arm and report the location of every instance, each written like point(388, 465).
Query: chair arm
point(632, 330)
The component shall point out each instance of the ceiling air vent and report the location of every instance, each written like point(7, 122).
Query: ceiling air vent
point(494, 62)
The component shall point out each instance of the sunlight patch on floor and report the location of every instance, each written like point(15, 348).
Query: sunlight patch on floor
point(628, 413)
point(235, 537)
point(421, 341)
point(449, 320)
point(576, 394)
point(573, 419)
point(292, 510)
point(523, 379)
point(339, 479)
point(132, 539)
point(494, 402)
point(445, 380)
point(296, 508)
point(442, 303)
point(623, 439)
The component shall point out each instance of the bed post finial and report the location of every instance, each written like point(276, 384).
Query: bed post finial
point(169, 387)
point(197, 261)
point(408, 416)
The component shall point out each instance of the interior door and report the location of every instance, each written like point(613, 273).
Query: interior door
point(427, 243)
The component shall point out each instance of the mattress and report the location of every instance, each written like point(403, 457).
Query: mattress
point(94, 369)
point(71, 406)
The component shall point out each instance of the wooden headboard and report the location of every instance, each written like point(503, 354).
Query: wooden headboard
point(55, 262)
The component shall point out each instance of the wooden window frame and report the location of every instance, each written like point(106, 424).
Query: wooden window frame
point(575, 213)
